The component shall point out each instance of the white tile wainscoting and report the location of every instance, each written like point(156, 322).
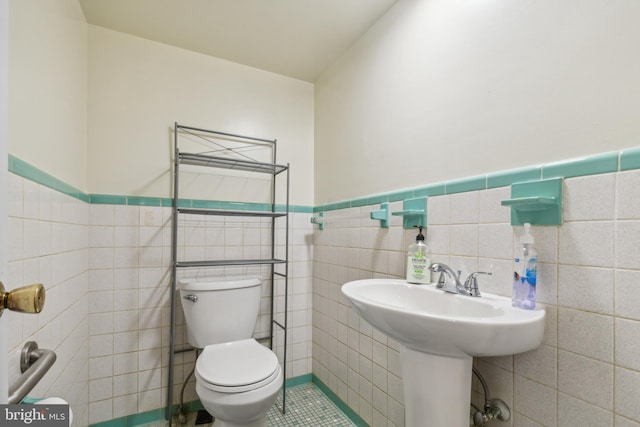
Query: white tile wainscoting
point(106, 272)
point(587, 371)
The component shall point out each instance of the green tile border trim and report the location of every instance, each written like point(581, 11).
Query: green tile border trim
point(350, 413)
point(199, 204)
point(146, 417)
point(21, 168)
point(630, 159)
point(158, 414)
point(401, 195)
point(346, 410)
point(464, 185)
point(117, 422)
point(377, 199)
point(107, 199)
point(25, 170)
point(298, 381)
point(622, 160)
point(590, 165)
point(112, 199)
point(506, 178)
point(430, 190)
point(626, 159)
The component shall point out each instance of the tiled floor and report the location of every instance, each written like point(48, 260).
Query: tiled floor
point(307, 406)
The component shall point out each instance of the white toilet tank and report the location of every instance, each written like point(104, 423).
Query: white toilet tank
point(221, 309)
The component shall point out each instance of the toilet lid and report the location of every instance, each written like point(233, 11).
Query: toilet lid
point(242, 365)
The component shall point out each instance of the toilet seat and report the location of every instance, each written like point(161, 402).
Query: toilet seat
point(236, 366)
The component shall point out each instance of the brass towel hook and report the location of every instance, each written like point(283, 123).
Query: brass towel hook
point(27, 299)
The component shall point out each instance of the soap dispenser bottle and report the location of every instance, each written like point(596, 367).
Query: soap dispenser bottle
point(524, 276)
point(418, 261)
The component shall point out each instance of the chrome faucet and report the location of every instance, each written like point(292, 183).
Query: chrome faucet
point(471, 284)
point(451, 282)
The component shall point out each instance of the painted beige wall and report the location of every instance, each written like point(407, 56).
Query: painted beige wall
point(446, 89)
point(139, 88)
point(4, 121)
point(48, 87)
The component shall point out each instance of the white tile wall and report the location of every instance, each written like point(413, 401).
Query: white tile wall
point(586, 372)
point(106, 271)
point(49, 243)
point(130, 294)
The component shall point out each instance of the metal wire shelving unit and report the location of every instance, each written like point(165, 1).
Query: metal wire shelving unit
point(279, 267)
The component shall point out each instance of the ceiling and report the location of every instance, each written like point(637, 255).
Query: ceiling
point(295, 38)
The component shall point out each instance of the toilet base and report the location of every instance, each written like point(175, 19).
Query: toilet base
point(203, 417)
point(261, 422)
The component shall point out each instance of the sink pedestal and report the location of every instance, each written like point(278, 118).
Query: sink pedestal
point(437, 389)
point(439, 333)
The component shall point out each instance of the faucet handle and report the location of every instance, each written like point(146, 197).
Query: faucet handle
point(471, 284)
point(441, 280)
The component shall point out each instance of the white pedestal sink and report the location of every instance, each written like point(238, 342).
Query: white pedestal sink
point(440, 333)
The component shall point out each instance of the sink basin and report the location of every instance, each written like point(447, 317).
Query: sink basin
point(439, 334)
point(430, 320)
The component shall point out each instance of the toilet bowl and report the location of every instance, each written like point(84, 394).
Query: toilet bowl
point(237, 379)
point(238, 382)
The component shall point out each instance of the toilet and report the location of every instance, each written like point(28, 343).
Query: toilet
point(237, 379)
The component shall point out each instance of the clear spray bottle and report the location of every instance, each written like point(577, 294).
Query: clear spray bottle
point(525, 272)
